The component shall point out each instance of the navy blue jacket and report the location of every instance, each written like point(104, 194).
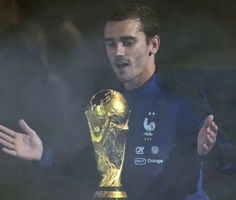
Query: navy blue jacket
point(161, 160)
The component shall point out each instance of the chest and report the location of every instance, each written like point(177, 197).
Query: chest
point(151, 136)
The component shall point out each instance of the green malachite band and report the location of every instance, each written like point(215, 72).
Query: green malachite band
point(110, 194)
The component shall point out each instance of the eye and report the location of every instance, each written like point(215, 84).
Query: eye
point(128, 43)
point(110, 43)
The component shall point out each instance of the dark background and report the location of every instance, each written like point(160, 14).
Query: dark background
point(52, 60)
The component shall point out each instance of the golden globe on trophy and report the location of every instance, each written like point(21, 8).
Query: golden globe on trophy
point(108, 115)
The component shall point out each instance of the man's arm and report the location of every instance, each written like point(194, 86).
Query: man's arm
point(217, 152)
point(26, 145)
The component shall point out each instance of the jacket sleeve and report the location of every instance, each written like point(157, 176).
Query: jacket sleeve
point(80, 164)
point(222, 157)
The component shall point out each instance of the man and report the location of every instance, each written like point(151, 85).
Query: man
point(171, 126)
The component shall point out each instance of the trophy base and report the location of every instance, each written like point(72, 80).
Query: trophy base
point(110, 193)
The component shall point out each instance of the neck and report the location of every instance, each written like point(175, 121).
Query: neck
point(141, 80)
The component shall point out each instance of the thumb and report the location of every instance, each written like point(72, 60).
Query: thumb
point(208, 121)
point(24, 126)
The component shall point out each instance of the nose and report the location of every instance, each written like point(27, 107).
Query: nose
point(120, 49)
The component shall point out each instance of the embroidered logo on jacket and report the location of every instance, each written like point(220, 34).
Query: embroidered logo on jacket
point(149, 125)
point(139, 150)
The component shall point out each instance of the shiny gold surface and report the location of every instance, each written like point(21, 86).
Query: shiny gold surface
point(108, 115)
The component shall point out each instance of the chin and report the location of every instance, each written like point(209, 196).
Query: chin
point(123, 77)
point(124, 80)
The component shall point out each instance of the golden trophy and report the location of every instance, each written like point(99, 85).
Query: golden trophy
point(108, 115)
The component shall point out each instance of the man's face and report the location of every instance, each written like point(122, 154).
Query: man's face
point(128, 52)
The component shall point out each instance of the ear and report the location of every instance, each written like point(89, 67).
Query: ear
point(155, 44)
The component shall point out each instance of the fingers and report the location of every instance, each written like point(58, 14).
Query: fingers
point(208, 121)
point(6, 144)
point(9, 151)
point(209, 143)
point(210, 140)
point(207, 135)
point(7, 131)
point(211, 131)
point(210, 126)
point(6, 137)
point(6, 140)
point(24, 126)
point(206, 148)
point(214, 127)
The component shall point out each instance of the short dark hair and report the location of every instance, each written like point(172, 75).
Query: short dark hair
point(147, 16)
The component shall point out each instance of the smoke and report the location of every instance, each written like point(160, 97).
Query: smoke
point(51, 65)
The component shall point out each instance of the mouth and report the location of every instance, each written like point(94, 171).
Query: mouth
point(121, 63)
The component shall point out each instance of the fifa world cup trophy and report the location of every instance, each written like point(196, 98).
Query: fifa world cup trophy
point(108, 115)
